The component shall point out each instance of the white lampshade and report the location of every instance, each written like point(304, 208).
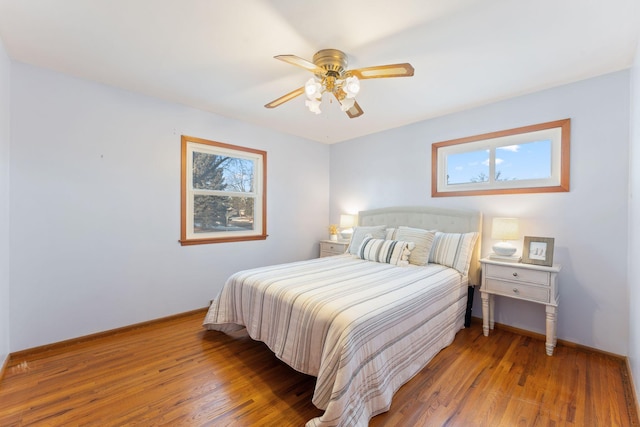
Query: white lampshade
point(313, 89)
point(346, 225)
point(347, 103)
point(504, 229)
point(351, 86)
point(313, 105)
point(347, 221)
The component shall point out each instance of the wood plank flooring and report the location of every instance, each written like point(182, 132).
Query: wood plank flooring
point(175, 373)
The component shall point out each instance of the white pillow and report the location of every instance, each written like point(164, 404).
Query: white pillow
point(359, 233)
point(453, 250)
point(390, 234)
point(423, 240)
point(386, 251)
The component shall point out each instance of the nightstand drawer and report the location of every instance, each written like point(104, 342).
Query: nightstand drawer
point(330, 248)
point(517, 274)
point(329, 253)
point(518, 290)
point(333, 248)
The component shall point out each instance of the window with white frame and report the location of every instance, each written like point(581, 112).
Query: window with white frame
point(223, 192)
point(531, 159)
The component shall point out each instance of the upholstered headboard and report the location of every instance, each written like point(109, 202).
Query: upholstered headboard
point(430, 218)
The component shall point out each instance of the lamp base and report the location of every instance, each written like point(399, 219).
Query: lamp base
point(504, 248)
point(346, 234)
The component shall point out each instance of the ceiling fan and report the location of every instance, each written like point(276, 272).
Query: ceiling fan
point(329, 67)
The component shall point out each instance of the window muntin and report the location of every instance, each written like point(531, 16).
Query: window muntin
point(223, 192)
point(524, 160)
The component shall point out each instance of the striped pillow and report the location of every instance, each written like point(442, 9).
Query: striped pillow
point(386, 251)
point(453, 250)
point(423, 240)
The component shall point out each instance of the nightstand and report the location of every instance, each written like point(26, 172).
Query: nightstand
point(333, 247)
point(527, 282)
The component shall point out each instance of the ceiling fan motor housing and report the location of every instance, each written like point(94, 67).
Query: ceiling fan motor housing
point(334, 61)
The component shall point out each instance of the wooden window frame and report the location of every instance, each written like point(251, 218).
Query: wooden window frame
point(190, 144)
point(439, 187)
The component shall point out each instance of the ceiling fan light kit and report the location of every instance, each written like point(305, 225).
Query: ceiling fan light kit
point(332, 76)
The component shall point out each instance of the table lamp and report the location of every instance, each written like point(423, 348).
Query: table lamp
point(505, 229)
point(346, 226)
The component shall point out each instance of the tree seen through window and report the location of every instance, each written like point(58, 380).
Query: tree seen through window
point(215, 212)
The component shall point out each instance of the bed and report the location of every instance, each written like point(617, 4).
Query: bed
point(364, 323)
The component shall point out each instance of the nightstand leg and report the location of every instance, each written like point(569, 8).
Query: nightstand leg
point(491, 311)
point(485, 313)
point(551, 328)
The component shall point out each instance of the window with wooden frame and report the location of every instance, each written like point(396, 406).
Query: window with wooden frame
point(530, 159)
point(223, 192)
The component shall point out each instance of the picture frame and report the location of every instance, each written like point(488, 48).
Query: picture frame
point(538, 251)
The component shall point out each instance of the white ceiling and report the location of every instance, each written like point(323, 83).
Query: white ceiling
point(218, 55)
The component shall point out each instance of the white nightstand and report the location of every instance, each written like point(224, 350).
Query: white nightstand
point(333, 247)
point(527, 282)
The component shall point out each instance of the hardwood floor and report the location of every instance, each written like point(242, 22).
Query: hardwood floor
point(175, 373)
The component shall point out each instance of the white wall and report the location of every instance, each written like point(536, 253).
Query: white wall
point(4, 204)
point(634, 225)
point(589, 223)
point(95, 184)
point(95, 204)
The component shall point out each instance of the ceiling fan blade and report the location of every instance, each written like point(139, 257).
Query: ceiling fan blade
point(299, 62)
point(380, 71)
point(285, 98)
point(354, 111)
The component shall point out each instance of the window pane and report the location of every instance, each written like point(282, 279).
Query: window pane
point(219, 213)
point(222, 173)
point(238, 175)
point(471, 166)
point(531, 160)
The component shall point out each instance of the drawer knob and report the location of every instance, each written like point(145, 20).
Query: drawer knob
point(515, 274)
point(516, 291)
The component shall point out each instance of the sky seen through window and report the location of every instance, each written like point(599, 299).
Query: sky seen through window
point(531, 160)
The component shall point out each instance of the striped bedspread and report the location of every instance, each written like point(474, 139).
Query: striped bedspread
point(362, 328)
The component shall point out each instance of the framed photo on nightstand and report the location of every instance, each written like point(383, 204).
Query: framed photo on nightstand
point(538, 251)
